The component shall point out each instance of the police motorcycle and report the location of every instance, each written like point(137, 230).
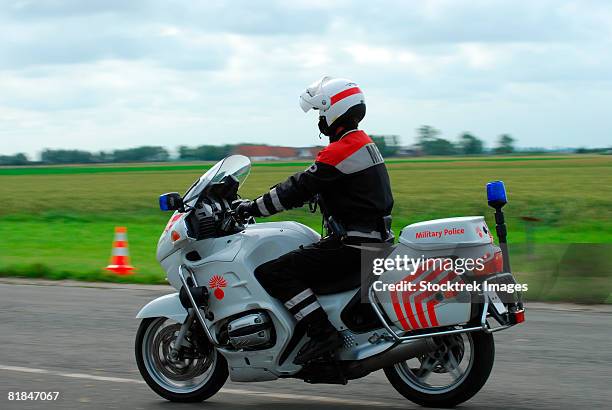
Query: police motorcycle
point(434, 344)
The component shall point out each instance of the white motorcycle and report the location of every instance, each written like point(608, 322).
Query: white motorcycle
point(435, 347)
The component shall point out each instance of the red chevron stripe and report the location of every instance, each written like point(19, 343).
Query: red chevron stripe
point(409, 313)
point(398, 311)
point(406, 299)
point(423, 295)
point(431, 312)
point(431, 305)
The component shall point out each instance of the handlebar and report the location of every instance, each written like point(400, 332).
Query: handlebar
point(243, 217)
point(233, 219)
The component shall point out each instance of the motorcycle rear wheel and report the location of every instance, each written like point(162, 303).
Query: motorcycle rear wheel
point(194, 377)
point(465, 370)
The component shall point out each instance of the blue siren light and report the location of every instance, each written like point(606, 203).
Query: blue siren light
point(170, 201)
point(163, 202)
point(496, 192)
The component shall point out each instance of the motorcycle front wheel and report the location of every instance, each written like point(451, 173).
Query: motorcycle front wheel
point(196, 374)
point(449, 376)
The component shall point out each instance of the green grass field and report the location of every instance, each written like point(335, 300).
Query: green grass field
point(58, 222)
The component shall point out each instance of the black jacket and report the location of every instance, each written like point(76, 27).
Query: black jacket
point(349, 176)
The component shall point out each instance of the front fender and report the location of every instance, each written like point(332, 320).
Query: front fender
point(164, 306)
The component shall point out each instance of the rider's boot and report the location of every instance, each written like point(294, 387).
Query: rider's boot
point(324, 338)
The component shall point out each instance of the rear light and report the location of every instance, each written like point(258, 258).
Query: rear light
point(494, 265)
point(519, 316)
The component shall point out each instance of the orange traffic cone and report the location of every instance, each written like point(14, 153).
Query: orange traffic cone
point(120, 257)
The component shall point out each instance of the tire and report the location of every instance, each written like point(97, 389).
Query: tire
point(477, 375)
point(211, 385)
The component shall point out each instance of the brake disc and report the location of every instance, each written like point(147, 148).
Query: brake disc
point(448, 344)
point(453, 344)
point(187, 366)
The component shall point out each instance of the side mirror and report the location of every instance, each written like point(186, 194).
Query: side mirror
point(226, 188)
point(496, 194)
point(170, 201)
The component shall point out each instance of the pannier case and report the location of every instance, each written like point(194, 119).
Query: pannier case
point(438, 251)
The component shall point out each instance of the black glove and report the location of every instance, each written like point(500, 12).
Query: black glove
point(244, 208)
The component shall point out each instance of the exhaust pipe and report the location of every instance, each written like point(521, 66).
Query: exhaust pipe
point(398, 353)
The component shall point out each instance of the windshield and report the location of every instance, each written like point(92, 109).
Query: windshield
point(237, 165)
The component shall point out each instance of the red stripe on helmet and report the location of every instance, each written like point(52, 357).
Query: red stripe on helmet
point(343, 94)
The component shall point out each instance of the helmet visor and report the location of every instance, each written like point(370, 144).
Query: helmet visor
point(313, 98)
point(306, 103)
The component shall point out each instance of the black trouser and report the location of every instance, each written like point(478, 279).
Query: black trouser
point(328, 266)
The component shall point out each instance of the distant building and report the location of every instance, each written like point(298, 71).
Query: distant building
point(308, 152)
point(274, 153)
point(410, 151)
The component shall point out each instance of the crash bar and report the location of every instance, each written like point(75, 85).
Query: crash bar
point(484, 326)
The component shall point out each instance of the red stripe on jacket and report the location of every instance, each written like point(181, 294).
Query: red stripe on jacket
point(338, 151)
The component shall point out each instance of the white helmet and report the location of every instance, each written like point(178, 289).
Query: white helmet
point(333, 97)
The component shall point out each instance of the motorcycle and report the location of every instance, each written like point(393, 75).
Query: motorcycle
point(435, 347)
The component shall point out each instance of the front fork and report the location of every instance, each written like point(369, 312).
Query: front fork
point(180, 341)
point(192, 313)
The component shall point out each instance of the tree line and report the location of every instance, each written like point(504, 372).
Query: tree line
point(429, 142)
point(138, 154)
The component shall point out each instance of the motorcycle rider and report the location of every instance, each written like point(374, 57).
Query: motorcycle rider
point(351, 182)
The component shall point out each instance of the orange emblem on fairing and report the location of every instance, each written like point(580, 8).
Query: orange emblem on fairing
point(217, 282)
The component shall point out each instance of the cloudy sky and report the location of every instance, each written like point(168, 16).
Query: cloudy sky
point(113, 73)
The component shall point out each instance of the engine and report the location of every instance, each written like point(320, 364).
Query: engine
point(251, 332)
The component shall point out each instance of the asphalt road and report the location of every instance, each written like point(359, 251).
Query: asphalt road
point(78, 341)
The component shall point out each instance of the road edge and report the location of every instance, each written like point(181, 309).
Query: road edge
point(561, 306)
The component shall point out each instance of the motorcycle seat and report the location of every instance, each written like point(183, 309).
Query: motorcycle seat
point(343, 284)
